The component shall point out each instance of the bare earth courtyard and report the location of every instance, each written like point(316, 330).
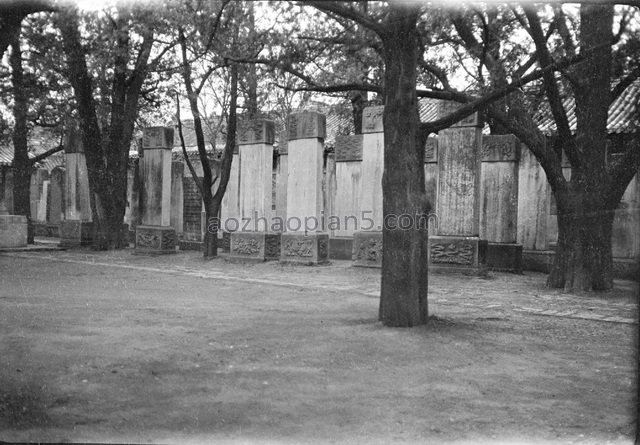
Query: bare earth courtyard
point(113, 347)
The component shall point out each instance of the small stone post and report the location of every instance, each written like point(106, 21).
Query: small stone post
point(367, 242)
point(458, 247)
point(155, 235)
point(77, 228)
point(305, 239)
point(254, 239)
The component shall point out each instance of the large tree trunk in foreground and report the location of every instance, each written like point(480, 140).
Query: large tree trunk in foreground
point(587, 204)
point(403, 299)
point(107, 150)
point(583, 259)
point(22, 168)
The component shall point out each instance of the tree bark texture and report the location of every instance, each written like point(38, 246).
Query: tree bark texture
point(22, 167)
point(403, 299)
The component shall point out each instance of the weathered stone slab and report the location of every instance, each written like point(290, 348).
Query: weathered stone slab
point(256, 183)
point(500, 148)
point(305, 200)
point(459, 164)
point(156, 179)
point(431, 189)
point(283, 143)
point(447, 107)
point(155, 240)
point(346, 209)
point(372, 119)
point(348, 148)
point(310, 248)
point(256, 131)
point(157, 137)
point(13, 231)
point(259, 246)
point(307, 125)
point(533, 203)
point(74, 233)
point(458, 254)
point(499, 202)
point(367, 249)
point(177, 196)
point(371, 189)
point(431, 150)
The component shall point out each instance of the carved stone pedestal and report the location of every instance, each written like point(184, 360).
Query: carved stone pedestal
point(155, 240)
point(466, 255)
point(312, 248)
point(367, 249)
point(254, 246)
point(74, 233)
point(13, 231)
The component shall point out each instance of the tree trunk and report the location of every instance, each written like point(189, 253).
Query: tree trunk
point(212, 214)
point(583, 259)
point(22, 167)
point(358, 101)
point(107, 150)
point(403, 298)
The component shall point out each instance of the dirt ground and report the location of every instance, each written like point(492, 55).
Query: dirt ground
point(115, 347)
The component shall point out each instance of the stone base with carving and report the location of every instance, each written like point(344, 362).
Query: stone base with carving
point(254, 246)
point(74, 233)
point(155, 240)
point(367, 249)
point(312, 248)
point(13, 231)
point(458, 254)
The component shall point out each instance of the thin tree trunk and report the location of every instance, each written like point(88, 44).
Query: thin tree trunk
point(403, 299)
point(358, 101)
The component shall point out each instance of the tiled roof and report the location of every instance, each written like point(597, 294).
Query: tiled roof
point(624, 113)
point(40, 140)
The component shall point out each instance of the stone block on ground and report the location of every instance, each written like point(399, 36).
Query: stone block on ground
point(155, 240)
point(367, 249)
point(458, 254)
point(341, 248)
point(310, 248)
point(13, 231)
point(256, 246)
